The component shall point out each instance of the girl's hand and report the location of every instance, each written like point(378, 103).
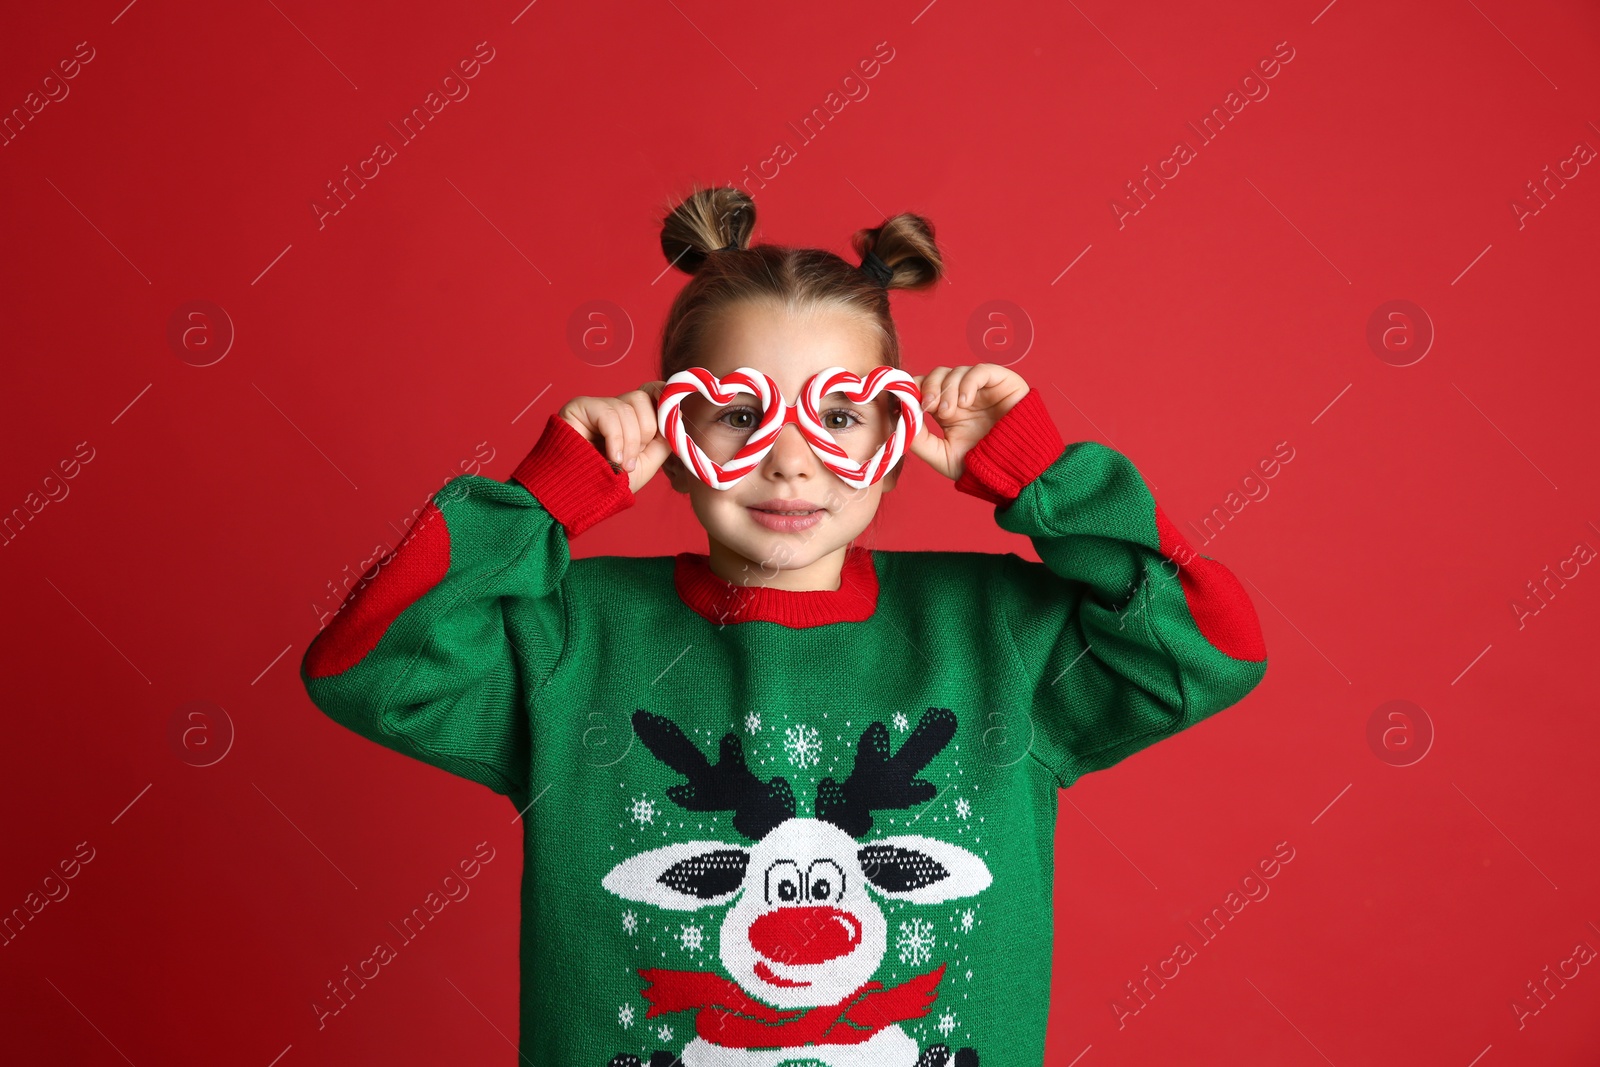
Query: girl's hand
point(624, 429)
point(965, 402)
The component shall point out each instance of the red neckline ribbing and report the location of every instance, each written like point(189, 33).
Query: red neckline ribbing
point(721, 601)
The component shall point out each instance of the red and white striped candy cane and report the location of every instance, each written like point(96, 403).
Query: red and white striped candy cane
point(721, 392)
point(859, 391)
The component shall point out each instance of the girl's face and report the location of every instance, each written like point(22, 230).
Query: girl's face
point(749, 544)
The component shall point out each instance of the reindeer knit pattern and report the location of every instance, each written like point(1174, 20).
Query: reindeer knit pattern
point(769, 827)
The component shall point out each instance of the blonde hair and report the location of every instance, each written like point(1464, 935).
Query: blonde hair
point(696, 233)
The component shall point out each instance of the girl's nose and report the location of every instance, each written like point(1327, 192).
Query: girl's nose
point(790, 452)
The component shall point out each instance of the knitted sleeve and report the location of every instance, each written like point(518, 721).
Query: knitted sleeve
point(1126, 634)
point(423, 657)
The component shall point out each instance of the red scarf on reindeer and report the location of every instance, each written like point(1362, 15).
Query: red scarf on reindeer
point(729, 1016)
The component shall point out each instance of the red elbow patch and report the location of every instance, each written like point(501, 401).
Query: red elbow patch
point(367, 613)
point(1219, 604)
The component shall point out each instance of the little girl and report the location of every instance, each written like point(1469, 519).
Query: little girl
point(791, 800)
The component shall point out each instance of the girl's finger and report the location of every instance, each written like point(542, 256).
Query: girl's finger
point(630, 433)
point(932, 449)
point(610, 427)
point(979, 377)
point(654, 454)
point(930, 386)
point(921, 446)
point(580, 417)
point(646, 409)
point(949, 392)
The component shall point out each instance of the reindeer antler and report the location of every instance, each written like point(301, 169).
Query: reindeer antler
point(729, 786)
point(881, 781)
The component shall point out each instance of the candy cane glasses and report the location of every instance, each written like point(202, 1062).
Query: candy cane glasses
point(777, 412)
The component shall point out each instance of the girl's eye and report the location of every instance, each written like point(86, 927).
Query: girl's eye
point(748, 419)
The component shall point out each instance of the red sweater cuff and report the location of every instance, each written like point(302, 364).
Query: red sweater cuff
point(572, 479)
point(1015, 451)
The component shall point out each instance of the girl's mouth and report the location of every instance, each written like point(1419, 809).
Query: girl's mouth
point(786, 521)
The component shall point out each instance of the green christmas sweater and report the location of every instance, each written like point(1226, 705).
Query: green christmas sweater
point(767, 826)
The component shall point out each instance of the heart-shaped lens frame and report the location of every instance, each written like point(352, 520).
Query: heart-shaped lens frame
point(777, 412)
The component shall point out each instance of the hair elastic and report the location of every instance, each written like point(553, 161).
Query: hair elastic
point(880, 271)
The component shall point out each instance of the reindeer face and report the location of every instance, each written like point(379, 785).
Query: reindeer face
point(806, 930)
point(803, 928)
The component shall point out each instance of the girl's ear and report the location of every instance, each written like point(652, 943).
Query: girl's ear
point(676, 473)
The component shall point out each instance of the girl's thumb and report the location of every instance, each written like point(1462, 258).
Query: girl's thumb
point(933, 449)
point(651, 457)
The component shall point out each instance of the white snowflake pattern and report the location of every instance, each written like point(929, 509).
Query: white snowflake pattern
point(664, 1033)
point(625, 1016)
point(966, 921)
point(693, 938)
point(916, 942)
point(630, 921)
point(963, 809)
point(643, 810)
point(900, 720)
point(947, 1023)
point(803, 744)
point(752, 722)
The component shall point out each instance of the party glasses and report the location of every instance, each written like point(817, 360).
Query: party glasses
point(777, 412)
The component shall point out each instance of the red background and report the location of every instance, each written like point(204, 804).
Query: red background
point(373, 354)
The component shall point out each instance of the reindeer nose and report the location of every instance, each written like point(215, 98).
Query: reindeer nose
point(805, 935)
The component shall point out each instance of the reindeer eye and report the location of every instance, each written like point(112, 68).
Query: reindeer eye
point(783, 882)
point(825, 880)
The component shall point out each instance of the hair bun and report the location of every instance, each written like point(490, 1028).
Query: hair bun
point(707, 220)
point(904, 244)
